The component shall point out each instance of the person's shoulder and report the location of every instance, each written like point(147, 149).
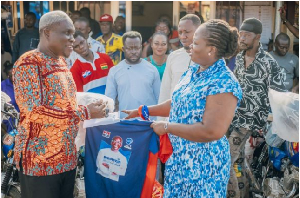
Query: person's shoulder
point(30, 57)
point(177, 52)
point(292, 56)
point(119, 67)
point(117, 38)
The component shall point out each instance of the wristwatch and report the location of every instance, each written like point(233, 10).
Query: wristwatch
point(166, 126)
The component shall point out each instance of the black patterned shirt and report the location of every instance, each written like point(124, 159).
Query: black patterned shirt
point(255, 80)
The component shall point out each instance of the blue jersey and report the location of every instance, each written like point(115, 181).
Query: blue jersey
point(116, 158)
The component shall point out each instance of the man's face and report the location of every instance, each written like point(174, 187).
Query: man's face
point(83, 28)
point(116, 144)
point(186, 30)
point(247, 40)
point(74, 17)
point(81, 46)
point(119, 24)
point(132, 50)
point(106, 27)
point(29, 21)
point(60, 38)
point(282, 47)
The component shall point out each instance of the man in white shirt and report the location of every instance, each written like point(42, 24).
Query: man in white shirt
point(134, 81)
point(179, 60)
point(110, 162)
point(82, 24)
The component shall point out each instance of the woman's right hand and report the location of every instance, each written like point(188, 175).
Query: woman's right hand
point(131, 113)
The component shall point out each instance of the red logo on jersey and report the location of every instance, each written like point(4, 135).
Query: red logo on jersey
point(106, 134)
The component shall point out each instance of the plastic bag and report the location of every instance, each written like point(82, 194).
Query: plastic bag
point(85, 98)
point(285, 109)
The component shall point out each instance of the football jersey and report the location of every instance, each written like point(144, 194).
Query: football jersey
point(116, 158)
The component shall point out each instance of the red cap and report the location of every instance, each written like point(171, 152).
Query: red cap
point(106, 17)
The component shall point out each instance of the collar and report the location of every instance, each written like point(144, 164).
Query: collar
point(210, 70)
point(101, 38)
point(96, 56)
point(258, 53)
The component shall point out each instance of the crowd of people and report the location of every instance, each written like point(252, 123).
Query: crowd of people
point(182, 77)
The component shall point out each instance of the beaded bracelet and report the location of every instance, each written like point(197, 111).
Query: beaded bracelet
point(143, 112)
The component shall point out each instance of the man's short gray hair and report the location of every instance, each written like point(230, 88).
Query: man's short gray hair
point(53, 17)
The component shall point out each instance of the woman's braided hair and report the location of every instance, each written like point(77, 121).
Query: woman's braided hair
point(223, 37)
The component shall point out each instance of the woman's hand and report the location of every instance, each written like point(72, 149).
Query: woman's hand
point(131, 113)
point(97, 109)
point(159, 127)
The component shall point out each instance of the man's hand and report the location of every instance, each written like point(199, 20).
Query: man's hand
point(159, 127)
point(131, 113)
point(282, 13)
point(97, 109)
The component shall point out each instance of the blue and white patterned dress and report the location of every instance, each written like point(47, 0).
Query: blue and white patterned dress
point(199, 169)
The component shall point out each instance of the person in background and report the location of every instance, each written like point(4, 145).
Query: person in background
point(5, 60)
point(82, 24)
point(91, 68)
point(119, 26)
point(294, 30)
point(134, 81)
point(256, 71)
point(95, 27)
point(174, 38)
point(179, 60)
point(8, 88)
point(200, 112)
point(159, 45)
point(49, 114)
point(270, 45)
point(27, 38)
point(75, 15)
point(112, 42)
point(288, 61)
point(164, 26)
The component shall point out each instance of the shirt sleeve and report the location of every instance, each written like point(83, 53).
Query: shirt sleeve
point(277, 77)
point(111, 85)
point(225, 85)
point(30, 98)
point(108, 60)
point(76, 73)
point(165, 88)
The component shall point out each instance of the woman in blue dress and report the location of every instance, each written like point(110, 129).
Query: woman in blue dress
point(201, 109)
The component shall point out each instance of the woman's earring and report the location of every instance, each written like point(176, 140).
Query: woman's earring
point(209, 54)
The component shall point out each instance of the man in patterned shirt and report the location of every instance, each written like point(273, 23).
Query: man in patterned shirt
point(45, 152)
point(256, 71)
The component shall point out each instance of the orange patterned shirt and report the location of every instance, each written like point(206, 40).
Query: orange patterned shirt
point(49, 115)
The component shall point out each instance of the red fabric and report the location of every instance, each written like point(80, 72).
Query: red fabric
point(165, 151)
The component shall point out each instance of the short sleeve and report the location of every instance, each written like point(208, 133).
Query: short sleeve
point(225, 85)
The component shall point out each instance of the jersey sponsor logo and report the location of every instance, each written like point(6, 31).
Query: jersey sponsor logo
point(106, 134)
point(129, 141)
point(86, 74)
